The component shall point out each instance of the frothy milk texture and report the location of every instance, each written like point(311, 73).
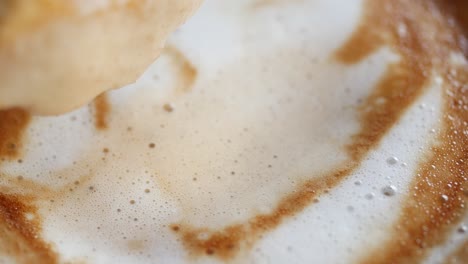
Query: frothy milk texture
point(221, 130)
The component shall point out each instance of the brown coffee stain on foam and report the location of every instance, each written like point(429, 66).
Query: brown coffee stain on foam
point(367, 38)
point(405, 27)
point(436, 201)
point(186, 72)
point(36, 191)
point(101, 111)
point(389, 22)
point(20, 238)
point(19, 235)
point(13, 123)
point(229, 241)
point(223, 244)
point(459, 256)
point(12, 184)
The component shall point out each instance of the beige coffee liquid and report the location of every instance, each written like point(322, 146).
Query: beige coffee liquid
point(56, 56)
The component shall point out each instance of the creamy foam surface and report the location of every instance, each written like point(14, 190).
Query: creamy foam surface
point(220, 129)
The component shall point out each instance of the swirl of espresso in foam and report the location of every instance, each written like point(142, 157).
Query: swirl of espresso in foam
point(260, 141)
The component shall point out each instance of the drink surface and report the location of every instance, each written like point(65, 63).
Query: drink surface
point(268, 132)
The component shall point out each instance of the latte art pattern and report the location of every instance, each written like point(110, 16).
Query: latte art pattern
point(284, 141)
